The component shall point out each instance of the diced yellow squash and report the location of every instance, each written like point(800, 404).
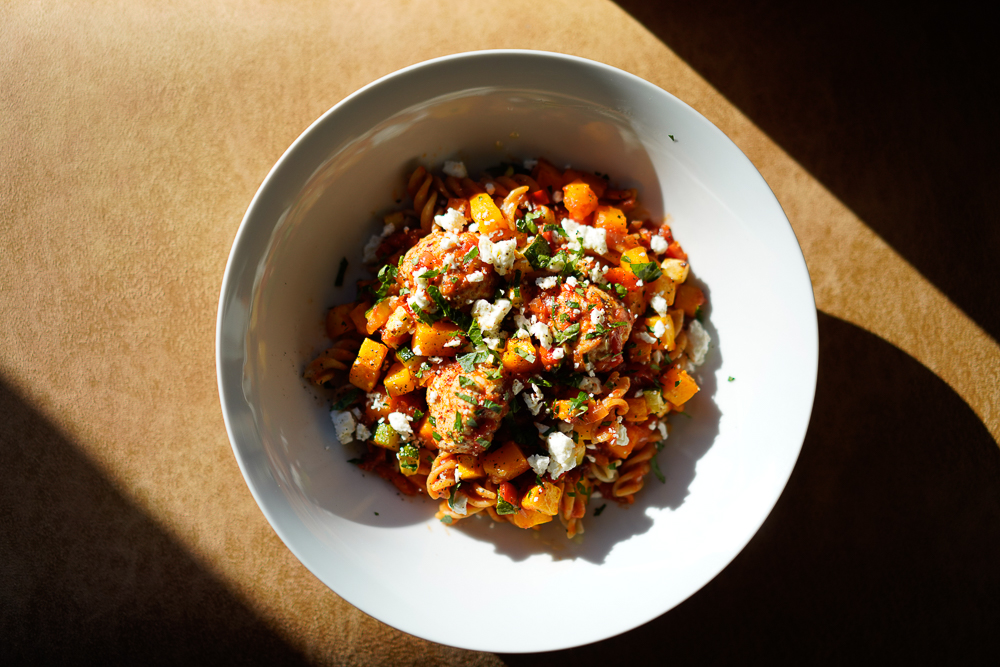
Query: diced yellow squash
point(397, 327)
point(505, 463)
point(528, 518)
point(678, 386)
point(520, 356)
point(486, 213)
point(655, 403)
point(400, 380)
point(377, 315)
point(611, 219)
point(544, 498)
point(675, 269)
point(338, 320)
point(636, 255)
point(677, 315)
point(413, 363)
point(367, 368)
point(430, 340)
point(469, 467)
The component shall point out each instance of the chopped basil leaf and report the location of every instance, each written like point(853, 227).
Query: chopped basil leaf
point(671, 137)
point(578, 404)
point(647, 272)
point(429, 274)
point(476, 334)
point(435, 435)
point(731, 378)
point(538, 253)
point(484, 442)
point(569, 333)
point(465, 397)
point(404, 353)
point(527, 223)
point(446, 519)
point(417, 414)
point(354, 461)
point(597, 512)
point(495, 407)
point(466, 382)
point(458, 422)
point(620, 290)
point(340, 272)
point(471, 255)
point(503, 507)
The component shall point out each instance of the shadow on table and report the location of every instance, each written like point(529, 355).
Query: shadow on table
point(85, 574)
point(890, 108)
point(884, 545)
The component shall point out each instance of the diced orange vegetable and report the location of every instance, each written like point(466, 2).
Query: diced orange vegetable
point(505, 463)
point(563, 409)
point(367, 368)
point(486, 213)
point(338, 320)
point(358, 316)
point(413, 363)
point(638, 411)
point(579, 199)
point(636, 255)
point(378, 315)
point(520, 356)
point(542, 498)
point(528, 518)
point(469, 467)
point(641, 352)
point(662, 286)
point(397, 327)
point(596, 183)
point(676, 269)
point(635, 301)
point(399, 380)
point(689, 298)
point(677, 315)
point(635, 433)
point(665, 340)
point(675, 251)
point(508, 492)
point(425, 433)
point(430, 340)
point(611, 219)
point(621, 276)
point(678, 386)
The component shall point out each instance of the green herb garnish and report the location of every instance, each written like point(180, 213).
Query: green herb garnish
point(503, 507)
point(597, 512)
point(538, 253)
point(340, 272)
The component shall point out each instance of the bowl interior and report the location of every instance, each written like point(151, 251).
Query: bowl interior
point(724, 467)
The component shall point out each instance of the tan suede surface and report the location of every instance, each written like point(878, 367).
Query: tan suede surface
point(132, 138)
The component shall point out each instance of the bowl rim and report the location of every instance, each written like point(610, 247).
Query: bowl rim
point(230, 389)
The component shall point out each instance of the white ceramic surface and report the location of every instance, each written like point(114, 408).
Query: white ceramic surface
point(725, 467)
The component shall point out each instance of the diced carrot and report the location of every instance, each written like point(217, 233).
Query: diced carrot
point(689, 299)
point(367, 368)
point(378, 315)
point(520, 356)
point(678, 386)
point(528, 518)
point(610, 219)
point(399, 380)
point(397, 327)
point(506, 463)
point(596, 183)
point(540, 197)
point(431, 340)
point(579, 199)
point(638, 411)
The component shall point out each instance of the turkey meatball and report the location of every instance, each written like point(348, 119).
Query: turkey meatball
point(467, 406)
point(464, 281)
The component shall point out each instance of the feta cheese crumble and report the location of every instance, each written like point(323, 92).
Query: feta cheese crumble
point(658, 244)
point(659, 329)
point(558, 353)
point(476, 277)
point(539, 463)
point(540, 330)
point(368, 254)
point(698, 340)
point(590, 238)
point(452, 221)
point(562, 451)
point(547, 282)
point(362, 433)
point(343, 421)
point(456, 169)
point(659, 304)
point(501, 255)
point(400, 423)
point(490, 315)
point(534, 399)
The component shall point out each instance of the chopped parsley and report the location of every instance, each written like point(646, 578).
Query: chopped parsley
point(471, 255)
point(340, 272)
point(465, 397)
point(386, 279)
point(355, 461)
point(527, 223)
point(458, 422)
point(731, 378)
point(446, 519)
point(647, 272)
point(656, 470)
point(404, 353)
point(567, 334)
point(466, 381)
point(503, 507)
point(620, 290)
point(597, 512)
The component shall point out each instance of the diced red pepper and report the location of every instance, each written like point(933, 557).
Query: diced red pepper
point(508, 492)
point(540, 197)
point(674, 250)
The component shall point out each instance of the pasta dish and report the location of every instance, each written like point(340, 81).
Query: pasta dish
point(525, 339)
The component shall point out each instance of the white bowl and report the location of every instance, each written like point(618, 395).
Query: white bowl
point(725, 467)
